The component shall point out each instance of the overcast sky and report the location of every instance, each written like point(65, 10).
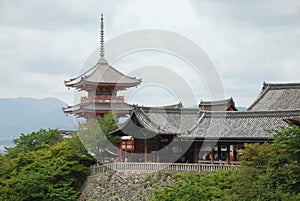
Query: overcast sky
point(43, 43)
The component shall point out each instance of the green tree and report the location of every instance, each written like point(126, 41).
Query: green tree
point(96, 136)
point(35, 141)
point(201, 186)
point(54, 171)
point(271, 171)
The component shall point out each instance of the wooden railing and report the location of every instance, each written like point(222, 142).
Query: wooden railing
point(149, 167)
point(103, 99)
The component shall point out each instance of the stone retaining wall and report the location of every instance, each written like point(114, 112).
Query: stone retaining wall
point(123, 186)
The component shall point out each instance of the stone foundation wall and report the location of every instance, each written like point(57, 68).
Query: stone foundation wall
point(123, 186)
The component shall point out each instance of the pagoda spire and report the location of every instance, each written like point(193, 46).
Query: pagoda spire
point(101, 38)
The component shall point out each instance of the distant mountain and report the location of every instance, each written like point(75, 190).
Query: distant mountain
point(25, 115)
point(240, 108)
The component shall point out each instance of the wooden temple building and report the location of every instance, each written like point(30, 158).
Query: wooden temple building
point(211, 136)
point(102, 83)
point(215, 132)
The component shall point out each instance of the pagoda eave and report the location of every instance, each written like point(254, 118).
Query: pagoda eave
point(102, 83)
point(88, 86)
point(92, 113)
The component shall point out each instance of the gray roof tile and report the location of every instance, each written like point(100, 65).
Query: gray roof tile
point(277, 97)
point(240, 124)
point(102, 72)
point(217, 105)
point(97, 106)
point(193, 123)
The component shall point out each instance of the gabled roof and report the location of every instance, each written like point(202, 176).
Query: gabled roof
point(158, 120)
point(218, 105)
point(167, 120)
point(282, 96)
point(240, 125)
point(193, 123)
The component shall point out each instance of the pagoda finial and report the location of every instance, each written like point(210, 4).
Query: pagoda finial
point(102, 38)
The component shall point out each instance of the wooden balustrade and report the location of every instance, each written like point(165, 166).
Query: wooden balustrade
point(148, 167)
point(102, 99)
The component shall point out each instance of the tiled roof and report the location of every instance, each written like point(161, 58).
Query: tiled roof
point(218, 105)
point(103, 73)
point(167, 120)
point(159, 120)
point(173, 106)
point(97, 107)
point(295, 120)
point(193, 123)
point(277, 97)
point(240, 124)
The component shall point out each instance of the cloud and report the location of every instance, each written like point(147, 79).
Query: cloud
point(46, 42)
point(260, 13)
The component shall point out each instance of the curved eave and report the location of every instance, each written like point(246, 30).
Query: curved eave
point(83, 84)
point(139, 117)
point(98, 108)
point(103, 73)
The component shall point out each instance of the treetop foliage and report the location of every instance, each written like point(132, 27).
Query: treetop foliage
point(43, 166)
point(96, 137)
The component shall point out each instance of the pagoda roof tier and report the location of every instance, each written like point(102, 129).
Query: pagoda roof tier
point(95, 109)
point(102, 74)
point(277, 96)
point(218, 105)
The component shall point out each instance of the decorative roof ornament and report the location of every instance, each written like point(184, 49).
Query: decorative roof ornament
point(102, 40)
point(102, 74)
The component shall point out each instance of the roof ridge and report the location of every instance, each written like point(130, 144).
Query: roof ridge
point(82, 74)
point(283, 85)
point(170, 110)
point(173, 106)
point(196, 124)
point(123, 73)
point(272, 86)
point(239, 114)
point(139, 110)
point(217, 101)
point(264, 90)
